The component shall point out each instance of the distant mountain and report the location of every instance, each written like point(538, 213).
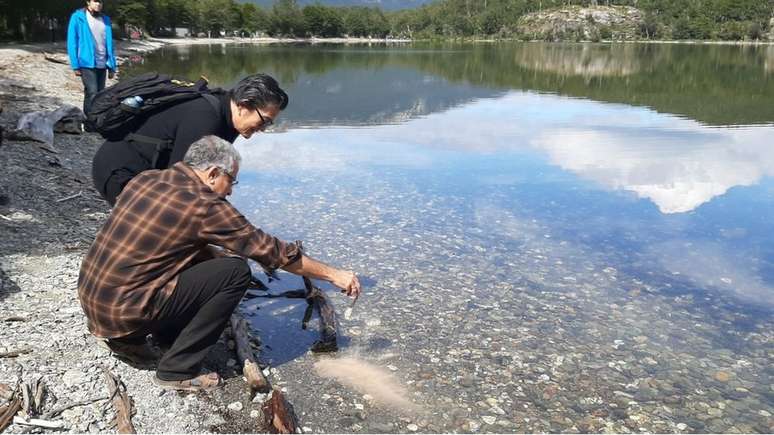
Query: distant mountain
point(388, 5)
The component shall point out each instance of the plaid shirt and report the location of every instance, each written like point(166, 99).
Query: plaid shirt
point(161, 221)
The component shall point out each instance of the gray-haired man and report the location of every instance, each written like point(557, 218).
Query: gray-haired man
point(144, 274)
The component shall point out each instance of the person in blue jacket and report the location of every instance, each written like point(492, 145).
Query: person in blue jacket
point(90, 47)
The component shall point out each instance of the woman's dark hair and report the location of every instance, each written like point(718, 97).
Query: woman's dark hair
point(259, 90)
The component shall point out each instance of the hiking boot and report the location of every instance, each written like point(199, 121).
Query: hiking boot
point(140, 356)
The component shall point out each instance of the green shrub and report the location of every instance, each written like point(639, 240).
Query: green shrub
point(732, 31)
point(605, 32)
point(691, 29)
point(649, 27)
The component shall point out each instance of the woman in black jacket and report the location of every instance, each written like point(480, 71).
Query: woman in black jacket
point(163, 138)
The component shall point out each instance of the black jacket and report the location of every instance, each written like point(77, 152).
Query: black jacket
point(182, 124)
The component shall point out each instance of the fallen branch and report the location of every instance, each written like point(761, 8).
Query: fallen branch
point(15, 319)
point(57, 411)
point(32, 397)
point(8, 411)
point(278, 414)
point(121, 402)
point(6, 392)
point(38, 422)
point(39, 393)
point(67, 198)
point(252, 372)
point(16, 84)
point(317, 300)
point(27, 405)
point(15, 97)
point(51, 58)
point(15, 353)
point(290, 294)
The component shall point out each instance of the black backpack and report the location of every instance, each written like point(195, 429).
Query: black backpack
point(115, 120)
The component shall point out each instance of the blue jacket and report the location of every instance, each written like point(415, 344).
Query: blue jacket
point(80, 44)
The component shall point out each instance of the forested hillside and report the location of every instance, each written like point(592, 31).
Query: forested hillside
point(656, 19)
point(387, 5)
point(663, 19)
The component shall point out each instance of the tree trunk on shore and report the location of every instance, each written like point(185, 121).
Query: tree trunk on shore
point(250, 369)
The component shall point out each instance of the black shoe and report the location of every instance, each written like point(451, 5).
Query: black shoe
point(139, 356)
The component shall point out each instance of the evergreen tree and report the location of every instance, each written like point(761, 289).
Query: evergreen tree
point(678, 19)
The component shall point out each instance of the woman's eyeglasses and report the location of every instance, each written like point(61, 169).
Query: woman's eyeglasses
point(265, 122)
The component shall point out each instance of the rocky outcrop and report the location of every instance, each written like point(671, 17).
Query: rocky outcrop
point(587, 60)
point(576, 23)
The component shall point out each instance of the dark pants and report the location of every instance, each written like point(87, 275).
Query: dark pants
point(93, 81)
point(109, 186)
point(115, 164)
point(196, 313)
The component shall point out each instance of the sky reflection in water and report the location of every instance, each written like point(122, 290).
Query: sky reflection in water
point(512, 146)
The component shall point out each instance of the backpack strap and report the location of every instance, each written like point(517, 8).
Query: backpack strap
point(162, 145)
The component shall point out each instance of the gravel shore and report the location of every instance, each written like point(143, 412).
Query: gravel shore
point(49, 214)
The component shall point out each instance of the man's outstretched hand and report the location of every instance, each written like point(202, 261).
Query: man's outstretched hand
point(348, 283)
point(311, 268)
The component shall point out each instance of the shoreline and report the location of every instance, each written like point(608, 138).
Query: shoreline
point(49, 216)
point(260, 41)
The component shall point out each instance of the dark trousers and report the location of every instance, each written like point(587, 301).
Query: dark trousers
point(111, 186)
point(93, 81)
point(196, 313)
point(116, 163)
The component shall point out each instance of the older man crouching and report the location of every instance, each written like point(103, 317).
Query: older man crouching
point(144, 274)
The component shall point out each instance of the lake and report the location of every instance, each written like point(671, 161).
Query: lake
point(552, 237)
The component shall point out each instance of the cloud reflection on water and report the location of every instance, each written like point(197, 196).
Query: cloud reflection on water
point(710, 265)
point(677, 163)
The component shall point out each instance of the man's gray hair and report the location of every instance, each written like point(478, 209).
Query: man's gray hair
point(212, 151)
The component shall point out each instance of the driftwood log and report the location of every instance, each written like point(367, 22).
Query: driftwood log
point(53, 413)
point(318, 301)
point(250, 369)
point(37, 422)
point(37, 398)
point(15, 353)
point(316, 298)
point(278, 414)
point(32, 397)
point(121, 402)
point(8, 411)
point(56, 58)
point(6, 392)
